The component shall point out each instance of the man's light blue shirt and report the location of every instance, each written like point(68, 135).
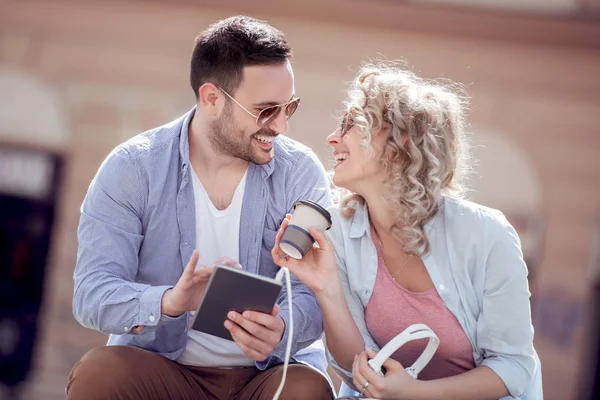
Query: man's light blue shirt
point(137, 232)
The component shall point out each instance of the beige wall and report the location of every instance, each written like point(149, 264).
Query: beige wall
point(99, 72)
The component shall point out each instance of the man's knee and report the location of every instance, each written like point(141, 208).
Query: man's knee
point(100, 372)
point(305, 383)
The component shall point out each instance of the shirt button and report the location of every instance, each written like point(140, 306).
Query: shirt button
point(442, 287)
point(151, 318)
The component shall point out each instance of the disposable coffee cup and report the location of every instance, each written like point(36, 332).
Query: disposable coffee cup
point(296, 240)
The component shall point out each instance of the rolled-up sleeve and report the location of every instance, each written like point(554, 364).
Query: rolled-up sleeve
point(106, 296)
point(504, 328)
point(355, 305)
point(357, 312)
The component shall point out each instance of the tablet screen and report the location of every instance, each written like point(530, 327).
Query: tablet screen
point(231, 289)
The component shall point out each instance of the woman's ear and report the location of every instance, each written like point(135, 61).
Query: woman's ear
point(388, 154)
point(405, 139)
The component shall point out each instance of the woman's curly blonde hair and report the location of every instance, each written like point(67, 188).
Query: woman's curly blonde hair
point(426, 151)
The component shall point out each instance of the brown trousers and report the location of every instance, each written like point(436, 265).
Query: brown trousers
point(125, 372)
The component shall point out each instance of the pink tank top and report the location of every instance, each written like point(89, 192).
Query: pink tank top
point(392, 308)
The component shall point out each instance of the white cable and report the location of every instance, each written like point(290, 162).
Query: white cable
point(290, 327)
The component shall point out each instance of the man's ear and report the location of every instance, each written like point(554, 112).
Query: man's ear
point(208, 99)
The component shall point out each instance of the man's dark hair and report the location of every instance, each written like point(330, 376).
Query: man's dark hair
point(226, 47)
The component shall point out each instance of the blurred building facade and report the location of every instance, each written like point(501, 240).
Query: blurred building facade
point(83, 76)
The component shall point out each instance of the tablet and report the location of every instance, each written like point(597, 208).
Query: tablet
point(232, 289)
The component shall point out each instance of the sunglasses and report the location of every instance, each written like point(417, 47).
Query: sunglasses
point(269, 114)
point(347, 124)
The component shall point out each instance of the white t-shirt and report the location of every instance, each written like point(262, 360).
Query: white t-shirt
point(217, 235)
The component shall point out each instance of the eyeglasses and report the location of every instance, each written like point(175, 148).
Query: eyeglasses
point(269, 114)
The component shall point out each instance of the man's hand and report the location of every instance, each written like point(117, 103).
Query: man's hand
point(256, 333)
point(186, 294)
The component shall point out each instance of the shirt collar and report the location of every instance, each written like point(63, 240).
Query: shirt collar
point(360, 224)
point(184, 145)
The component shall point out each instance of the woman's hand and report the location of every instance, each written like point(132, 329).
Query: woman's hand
point(317, 269)
point(394, 385)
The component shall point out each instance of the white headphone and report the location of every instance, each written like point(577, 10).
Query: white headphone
point(413, 332)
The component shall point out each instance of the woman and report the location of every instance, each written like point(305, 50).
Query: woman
point(404, 249)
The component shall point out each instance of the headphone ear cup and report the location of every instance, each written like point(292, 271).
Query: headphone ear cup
point(382, 369)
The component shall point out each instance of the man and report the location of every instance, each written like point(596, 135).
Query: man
point(219, 179)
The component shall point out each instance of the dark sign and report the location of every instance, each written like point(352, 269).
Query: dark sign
point(29, 181)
